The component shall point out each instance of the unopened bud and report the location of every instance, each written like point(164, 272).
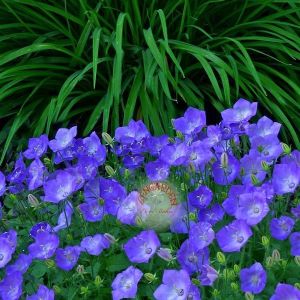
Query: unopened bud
point(216, 293)
point(57, 289)
point(276, 255)
point(179, 135)
point(107, 138)
point(101, 201)
point(224, 160)
point(269, 262)
point(297, 260)
point(265, 241)
point(98, 281)
point(47, 162)
point(249, 296)
point(69, 237)
point(33, 201)
point(265, 166)
point(236, 269)
point(110, 237)
point(80, 269)
point(196, 282)
point(84, 290)
point(286, 148)
point(297, 285)
point(192, 216)
point(126, 173)
point(110, 171)
point(254, 179)
point(228, 274)
point(139, 221)
point(150, 277)
point(234, 286)
point(221, 258)
point(12, 197)
point(165, 254)
point(50, 263)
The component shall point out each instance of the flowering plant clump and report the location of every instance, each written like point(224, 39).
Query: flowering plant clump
point(212, 213)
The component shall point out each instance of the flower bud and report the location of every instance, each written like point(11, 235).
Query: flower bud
point(297, 285)
point(126, 173)
point(50, 263)
point(57, 289)
point(110, 237)
point(249, 296)
point(179, 135)
point(69, 237)
point(150, 277)
point(265, 166)
point(47, 162)
point(192, 216)
point(80, 269)
point(84, 290)
point(139, 221)
point(254, 179)
point(224, 160)
point(236, 269)
point(165, 254)
point(110, 171)
point(221, 258)
point(98, 281)
point(33, 201)
point(234, 286)
point(276, 255)
point(216, 293)
point(286, 148)
point(107, 138)
point(12, 197)
point(269, 262)
point(265, 241)
point(297, 260)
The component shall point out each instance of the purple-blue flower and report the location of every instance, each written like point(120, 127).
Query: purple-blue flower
point(201, 234)
point(44, 246)
point(157, 170)
point(59, 188)
point(94, 148)
point(92, 211)
point(63, 139)
point(233, 236)
point(192, 122)
point(191, 258)
point(174, 155)
point(295, 243)
point(201, 197)
point(176, 285)
point(211, 215)
point(39, 227)
point(286, 178)
point(36, 172)
point(125, 283)
point(208, 275)
point(22, 264)
point(142, 247)
point(67, 258)
point(253, 279)
point(94, 245)
point(36, 147)
point(282, 227)
point(264, 127)
point(2, 184)
point(11, 286)
point(286, 292)
point(5, 252)
point(242, 111)
point(65, 217)
point(10, 238)
point(42, 293)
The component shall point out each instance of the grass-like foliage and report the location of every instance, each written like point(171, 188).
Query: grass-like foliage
point(101, 63)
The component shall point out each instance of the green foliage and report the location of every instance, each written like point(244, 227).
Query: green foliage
point(101, 63)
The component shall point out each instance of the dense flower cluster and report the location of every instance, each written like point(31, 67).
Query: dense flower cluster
point(236, 188)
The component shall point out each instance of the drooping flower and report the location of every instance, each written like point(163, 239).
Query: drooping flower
point(225, 174)
point(44, 246)
point(165, 254)
point(130, 208)
point(157, 170)
point(67, 258)
point(59, 188)
point(174, 155)
point(201, 197)
point(142, 247)
point(191, 258)
point(252, 208)
point(36, 172)
point(253, 279)
point(176, 285)
point(233, 236)
point(208, 275)
point(42, 293)
point(192, 122)
point(94, 245)
point(201, 234)
point(286, 178)
point(36, 147)
point(65, 217)
point(63, 139)
point(211, 215)
point(11, 286)
point(92, 211)
point(22, 264)
point(295, 243)
point(18, 175)
point(242, 111)
point(286, 291)
point(134, 132)
point(282, 227)
point(125, 283)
